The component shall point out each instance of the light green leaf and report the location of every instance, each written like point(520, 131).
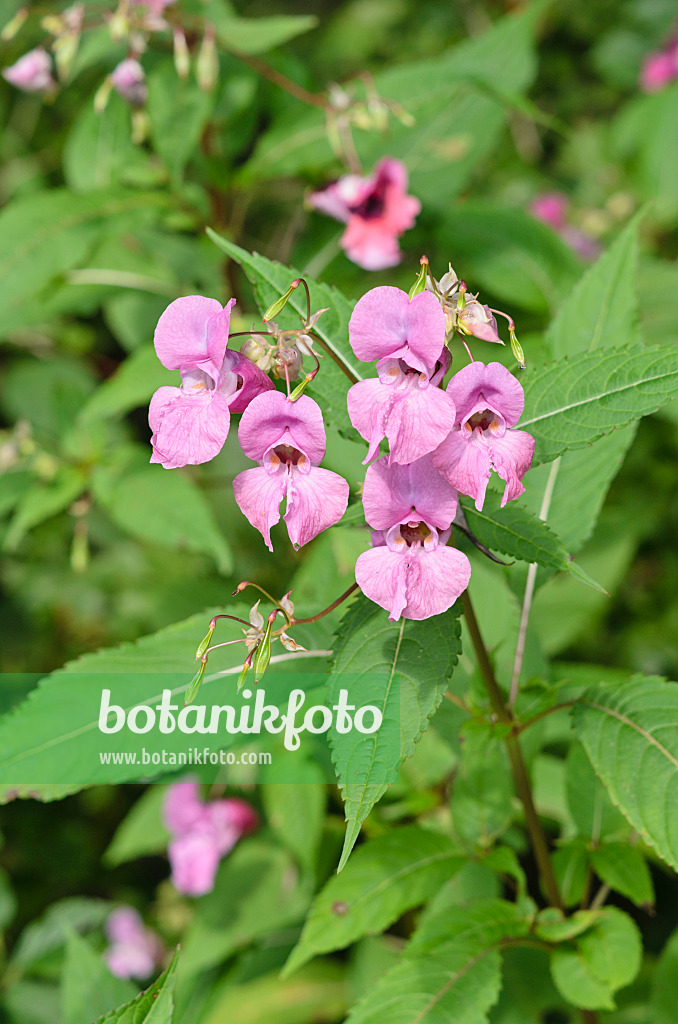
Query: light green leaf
point(625, 870)
point(178, 110)
point(385, 877)
point(577, 983)
point(99, 151)
point(259, 35)
point(141, 832)
point(665, 984)
point(602, 311)
point(48, 933)
point(403, 668)
point(88, 989)
point(296, 813)
point(45, 234)
point(163, 507)
point(131, 386)
point(571, 865)
point(317, 993)
point(570, 404)
point(42, 501)
point(552, 925)
point(271, 280)
point(154, 1006)
point(629, 734)
point(518, 533)
point(261, 888)
point(588, 801)
point(613, 948)
point(482, 795)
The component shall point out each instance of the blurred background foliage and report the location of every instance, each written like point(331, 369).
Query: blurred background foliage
point(98, 234)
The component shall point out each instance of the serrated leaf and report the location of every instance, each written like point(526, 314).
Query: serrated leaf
point(154, 1006)
point(514, 531)
point(629, 734)
point(570, 404)
point(625, 870)
point(602, 310)
point(88, 989)
point(450, 973)
point(163, 507)
point(271, 280)
point(402, 668)
point(385, 877)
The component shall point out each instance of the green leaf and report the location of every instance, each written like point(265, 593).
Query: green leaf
point(577, 983)
point(47, 233)
point(482, 795)
point(88, 989)
point(665, 984)
point(602, 311)
point(385, 877)
point(48, 933)
point(552, 925)
point(317, 993)
point(259, 35)
point(571, 867)
point(629, 734)
point(588, 801)
point(570, 404)
point(296, 813)
point(131, 386)
point(163, 507)
point(403, 668)
point(512, 254)
point(625, 870)
point(154, 1006)
point(8, 902)
point(42, 501)
point(271, 280)
point(99, 151)
point(141, 832)
point(178, 110)
point(518, 533)
point(450, 971)
point(608, 956)
point(261, 888)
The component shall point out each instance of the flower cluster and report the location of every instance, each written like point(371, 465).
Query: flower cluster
point(376, 210)
point(440, 441)
point(203, 833)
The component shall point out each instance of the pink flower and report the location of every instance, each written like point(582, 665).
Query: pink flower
point(154, 7)
point(203, 834)
point(489, 400)
point(376, 210)
point(410, 571)
point(386, 323)
point(287, 439)
point(135, 951)
point(660, 68)
point(129, 81)
point(552, 208)
point(32, 72)
point(478, 321)
point(190, 423)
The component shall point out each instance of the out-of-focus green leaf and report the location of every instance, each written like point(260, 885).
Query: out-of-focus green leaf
point(47, 393)
point(385, 877)
point(665, 984)
point(48, 933)
point(403, 668)
point(296, 812)
point(132, 385)
point(588, 801)
point(570, 865)
point(637, 718)
point(606, 958)
point(88, 989)
point(625, 870)
point(482, 794)
point(318, 992)
point(99, 152)
point(8, 903)
point(178, 110)
point(141, 832)
point(163, 507)
point(259, 35)
point(42, 501)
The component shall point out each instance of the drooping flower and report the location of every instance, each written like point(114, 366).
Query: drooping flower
point(129, 81)
point(134, 951)
point(659, 68)
point(489, 402)
point(32, 72)
point(203, 834)
point(410, 571)
point(190, 423)
point(376, 210)
point(478, 321)
point(404, 404)
point(287, 439)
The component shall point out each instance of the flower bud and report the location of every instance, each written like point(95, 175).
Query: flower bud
point(207, 66)
point(289, 358)
point(262, 656)
point(14, 25)
point(182, 58)
point(204, 644)
point(259, 351)
point(477, 320)
point(280, 303)
point(517, 348)
point(102, 95)
point(129, 81)
point(420, 283)
point(193, 687)
point(32, 72)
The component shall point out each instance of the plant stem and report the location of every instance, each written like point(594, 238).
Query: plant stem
point(330, 608)
point(282, 81)
point(518, 768)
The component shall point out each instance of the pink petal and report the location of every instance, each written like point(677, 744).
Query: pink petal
point(370, 245)
point(32, 72)
point(187, 429)
point(254, 382)
point(337, 198)
point(415, 583)
point(231, 819)
point(415, 420)
point(315, 501)
point(193, 332)
point(129, 961)
point(395, 494)
point(194, 859)
point(512, 457)
point(385, 322)
point(266, 418)
point(550, 208)
point(465, 464)
point(258, 495)
point(183, 807)
point(124, 924)
point(500, 389)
